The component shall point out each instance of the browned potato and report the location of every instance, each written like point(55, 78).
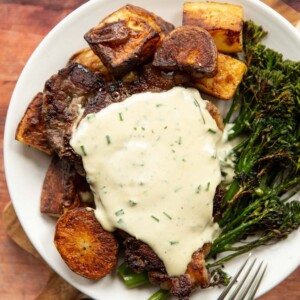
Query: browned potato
point(84, 245)
point(222, 20)
point(63, 189)
point(190, 49)
point(89, 59)
point(127, 38)
point(216, 114)
point(31, 130)
point(224, 84)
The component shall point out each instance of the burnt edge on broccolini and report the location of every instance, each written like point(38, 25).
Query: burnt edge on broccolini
point(267, 167)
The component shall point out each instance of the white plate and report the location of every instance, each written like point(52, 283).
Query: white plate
point(25, 167)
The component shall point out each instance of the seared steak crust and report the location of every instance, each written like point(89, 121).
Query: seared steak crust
point(149, 79)
point(64, 94)
point(140, 257)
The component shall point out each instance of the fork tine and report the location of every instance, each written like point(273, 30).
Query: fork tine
point(251, 282)
point(233, 280)
point(237, 289)
point(255, 287)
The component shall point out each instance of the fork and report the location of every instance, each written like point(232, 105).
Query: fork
point(245, 288)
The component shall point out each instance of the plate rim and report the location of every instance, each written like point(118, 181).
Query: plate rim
point(7, 137)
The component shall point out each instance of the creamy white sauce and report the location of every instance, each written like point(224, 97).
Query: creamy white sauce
point(153, 165)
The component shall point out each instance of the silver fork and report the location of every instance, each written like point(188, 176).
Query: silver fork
point(244, 289)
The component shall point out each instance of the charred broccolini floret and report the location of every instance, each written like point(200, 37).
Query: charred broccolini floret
point(267, 167)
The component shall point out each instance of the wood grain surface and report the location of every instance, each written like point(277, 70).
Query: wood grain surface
point(23, 24)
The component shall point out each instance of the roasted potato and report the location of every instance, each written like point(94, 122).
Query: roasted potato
point(127, 38)
point(84, 245)
point(222, 20)
point(89, 59)
point(63, 189)
point(224, 84)
point(31, 129)
point(190, 49)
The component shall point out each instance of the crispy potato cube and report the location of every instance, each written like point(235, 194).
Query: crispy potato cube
point(224, 84)
point(89, 59)
point(160, 25)
point(127, 38)
point(222, 20)
point(63, 189)
point(190, 49)
point(31, 129)
point(84, 245)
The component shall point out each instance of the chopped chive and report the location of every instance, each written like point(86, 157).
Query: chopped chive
point(173, 243)
point(120, 116)
point(179, 140)
point(207, 187)
point(165, 127)
point(83, 150)
point(212, 131)
point(132, 203)
point(121, 222)
point(198, 189)
point(158, 105)
point(143, 128)
point(202, 116)
point(119, 212)
point(154, 218)
point(138, 165)
point(91, 117)
point(177, 189)
point(108, 139)
point(168, 216)
point(198, 105)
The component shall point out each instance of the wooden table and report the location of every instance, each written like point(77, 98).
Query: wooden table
point(23, 24)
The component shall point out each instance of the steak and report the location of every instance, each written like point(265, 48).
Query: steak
point(140, 257)
point(76, 87)
point(64, 94)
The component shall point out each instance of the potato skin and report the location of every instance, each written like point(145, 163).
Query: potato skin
point(127, 38)
point(222, 20)
point(84, 245)
point(190, 49)
point(122, 45)
point(63, 188)
point(89, 59)
point(31, 129)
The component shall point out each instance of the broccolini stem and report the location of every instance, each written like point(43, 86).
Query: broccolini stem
point(130, 278)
